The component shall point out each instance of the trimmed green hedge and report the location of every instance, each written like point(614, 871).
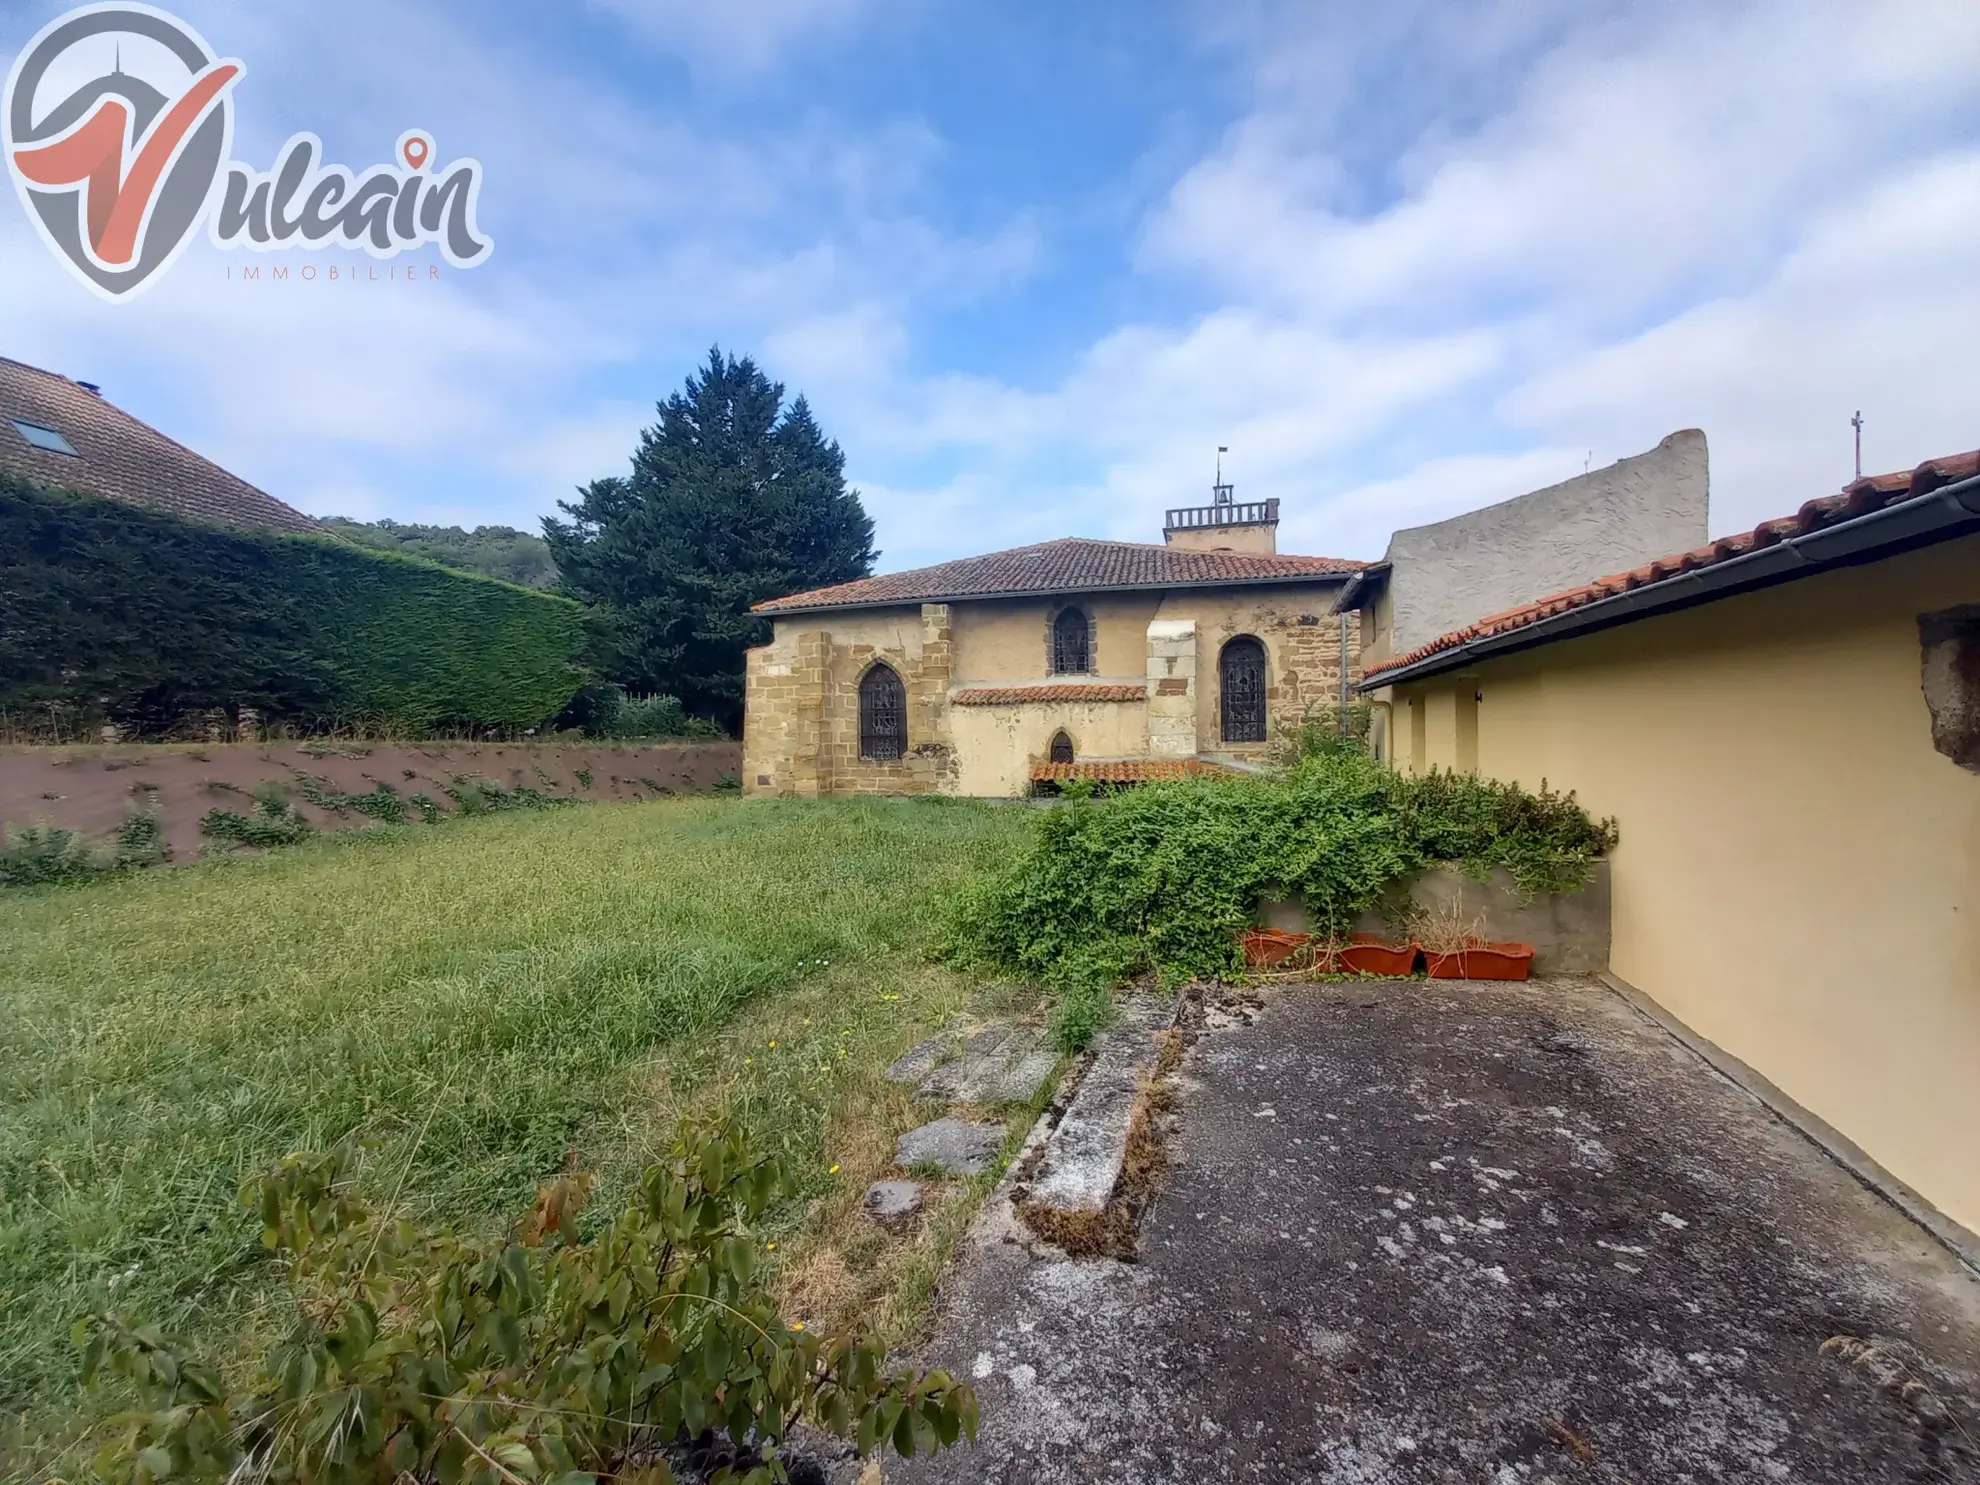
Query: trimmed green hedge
point(114, 612)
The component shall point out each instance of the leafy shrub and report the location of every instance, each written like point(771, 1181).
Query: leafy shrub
point(116, 613)
point(602, 709)
point(1325, 732)
point(478, 796)
point(1165, 877)
point(140, 841)
point(1085, 1009)
point(44, 853)
point(275, 822)
point(381, 802)
point(1546, 840)
point(546, 1356)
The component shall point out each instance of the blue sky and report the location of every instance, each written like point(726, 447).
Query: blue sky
point(1032, 262)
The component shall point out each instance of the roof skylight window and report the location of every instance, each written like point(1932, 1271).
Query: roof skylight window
point(44, 438)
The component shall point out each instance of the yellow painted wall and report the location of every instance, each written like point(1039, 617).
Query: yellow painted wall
point(1799, 873)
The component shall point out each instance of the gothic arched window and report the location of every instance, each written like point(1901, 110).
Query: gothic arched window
point(1072, 643)
point(1241, 686)
point(882, 714)
point(1062, 747)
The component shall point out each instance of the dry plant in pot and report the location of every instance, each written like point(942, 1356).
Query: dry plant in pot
point(1454, 948)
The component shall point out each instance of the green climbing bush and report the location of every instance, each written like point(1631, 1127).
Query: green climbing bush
point(1166, 876)
point(550, 1355)
point(1546, 840)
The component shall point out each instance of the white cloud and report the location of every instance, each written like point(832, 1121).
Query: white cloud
point(735, 36)
point(1749, 219)
point(1445, 252)
point(1874, 310)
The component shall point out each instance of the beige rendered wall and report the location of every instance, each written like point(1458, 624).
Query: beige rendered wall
point(996, 745)
point(1008, 643)
point(1260, 537)
point(1799, 872)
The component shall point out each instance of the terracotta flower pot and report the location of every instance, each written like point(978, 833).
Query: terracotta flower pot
point(1480, 960)
point(1368, 955)
point(1269, 948)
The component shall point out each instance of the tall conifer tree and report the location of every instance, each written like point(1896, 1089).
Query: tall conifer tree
point(733, 498)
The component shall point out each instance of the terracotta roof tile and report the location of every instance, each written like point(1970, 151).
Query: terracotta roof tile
point(1857, 498)
point(1125, 770)
point(119, 458)
point(1072, 564)
point(1018, 695)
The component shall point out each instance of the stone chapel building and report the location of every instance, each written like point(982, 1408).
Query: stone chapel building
point(1072, 659)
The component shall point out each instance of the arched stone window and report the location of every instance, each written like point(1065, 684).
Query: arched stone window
point(882, 715)
point(1072, 643)
point(1241, 688)
point(1062, 747)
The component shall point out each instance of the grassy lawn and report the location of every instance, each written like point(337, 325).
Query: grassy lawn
point(482, 1000)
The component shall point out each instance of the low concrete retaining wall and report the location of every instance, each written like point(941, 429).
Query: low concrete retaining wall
point(91, 789)
point(1569, 932)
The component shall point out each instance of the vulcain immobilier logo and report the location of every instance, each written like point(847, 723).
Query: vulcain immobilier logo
point(118, 127)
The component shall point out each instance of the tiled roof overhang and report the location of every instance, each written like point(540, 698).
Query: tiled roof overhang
point(1124, 770)
point(1871, 519)
point(1069, 565)
point(1022, 695)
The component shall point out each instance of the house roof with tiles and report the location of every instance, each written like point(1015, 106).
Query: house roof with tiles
point(1072, 564)
point(1884, 495)
point(99, 449)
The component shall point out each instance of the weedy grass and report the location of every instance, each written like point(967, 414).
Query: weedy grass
point(485, 1003)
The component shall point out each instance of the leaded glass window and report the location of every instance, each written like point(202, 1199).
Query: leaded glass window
point(1241, 677)
point(1072, 643)
point(882, 715)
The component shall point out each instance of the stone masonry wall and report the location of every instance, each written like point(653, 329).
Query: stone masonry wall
point(801, 732)
point(1172, 688)
point(1302, 642)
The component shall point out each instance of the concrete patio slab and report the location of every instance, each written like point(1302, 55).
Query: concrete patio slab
point(1439, 1231)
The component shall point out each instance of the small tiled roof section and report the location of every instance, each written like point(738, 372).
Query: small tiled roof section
point(1023, 695)
point(1124, 770)
point(119, 458)
point(1072, 564)
point(1857, 498)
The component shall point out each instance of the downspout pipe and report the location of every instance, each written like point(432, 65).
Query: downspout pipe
point(1344, 675)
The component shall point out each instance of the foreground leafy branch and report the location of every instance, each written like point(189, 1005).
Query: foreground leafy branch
point(546, 1358)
